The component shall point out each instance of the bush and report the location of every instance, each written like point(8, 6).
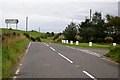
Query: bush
point(33, 39)
point(38, 39)
point(109, 39)
point(27, 35)
point(44, 36)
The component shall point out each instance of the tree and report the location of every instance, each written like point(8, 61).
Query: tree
point(99, 26)
point(70, 31)
point(52, 34)
point(86, 30)
point(113, 28)
point(93, 30)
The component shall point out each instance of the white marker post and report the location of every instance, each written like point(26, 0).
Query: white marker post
point(114, 44)
point(62, 41)
point(66, 41)
point(77, 43)
point(90, 44)
point(71, 42)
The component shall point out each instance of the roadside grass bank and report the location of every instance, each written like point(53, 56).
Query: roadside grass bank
point(114, 54)
point(95, 45)
point(14, 45)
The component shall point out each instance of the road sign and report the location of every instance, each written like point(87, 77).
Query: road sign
point(11, 21)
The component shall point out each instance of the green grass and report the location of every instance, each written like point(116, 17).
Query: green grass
point(0, 63)
point(11, 55)
point(33, 34)
point(46, 40)
point(12, 48)
point(95, 45)
point(114, 54)
point(36, 34)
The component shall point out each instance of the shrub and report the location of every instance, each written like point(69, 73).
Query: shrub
point(33, 39)
point(38, 39)
point(27, 35)
point(109, 39)
point(77, 37)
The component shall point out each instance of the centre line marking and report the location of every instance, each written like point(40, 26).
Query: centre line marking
point(46, 44)
point(89, 75)
point(65, 58)
point(52, 48)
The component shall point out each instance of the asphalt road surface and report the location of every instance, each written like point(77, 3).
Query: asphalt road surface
point(50, 60)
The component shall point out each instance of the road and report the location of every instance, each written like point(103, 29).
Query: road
point(50, 60)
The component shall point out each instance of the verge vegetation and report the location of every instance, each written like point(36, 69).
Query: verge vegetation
point(13, 46)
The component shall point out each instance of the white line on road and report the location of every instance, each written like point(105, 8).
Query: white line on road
point(66, 58)
point(52, 48)
point(26, 51)
point(17, 71)
point(46, 44)
point(29, 44)
point(28, 47)
point(88, 74)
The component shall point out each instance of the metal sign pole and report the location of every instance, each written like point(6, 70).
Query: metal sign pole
point(26, 24)
point(16, 26)
point(7, 25)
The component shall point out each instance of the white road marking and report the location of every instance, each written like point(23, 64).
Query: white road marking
point(46, 44)
point(29, 44)
point(28, 47)
point(88, 74)
point(87, 51)
point(52, 48)
point(26, 51)
point(17, 71)
point(14, 77)
point(66, 58)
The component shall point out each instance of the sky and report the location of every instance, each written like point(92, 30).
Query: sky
point(52, 15)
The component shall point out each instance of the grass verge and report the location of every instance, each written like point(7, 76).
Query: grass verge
point(11, 55)
point(114, 54)
point(95, 45)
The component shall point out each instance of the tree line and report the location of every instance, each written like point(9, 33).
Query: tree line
point(98, 29)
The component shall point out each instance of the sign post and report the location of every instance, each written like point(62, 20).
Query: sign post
point(11, 21)
point(26, 24)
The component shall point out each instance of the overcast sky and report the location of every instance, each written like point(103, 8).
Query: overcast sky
point(53, 15)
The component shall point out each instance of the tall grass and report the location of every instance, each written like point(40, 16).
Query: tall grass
point(114, 54)
point(11, 55)
point(12, 47)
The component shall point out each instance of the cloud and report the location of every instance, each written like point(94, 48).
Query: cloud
point(54, 15)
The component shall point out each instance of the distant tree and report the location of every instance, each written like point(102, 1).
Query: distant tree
point(70, 31)
point(52, 34)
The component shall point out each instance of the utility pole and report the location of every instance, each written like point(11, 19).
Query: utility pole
point(39, 29)
point(119, 8)
point(26, 24)
point(90, 14)
point(7, 25)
